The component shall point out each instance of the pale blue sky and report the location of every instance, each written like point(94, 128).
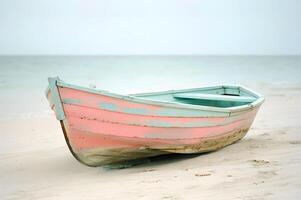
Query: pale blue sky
point(150, 27)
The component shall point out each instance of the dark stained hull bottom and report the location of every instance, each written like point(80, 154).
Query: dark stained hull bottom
point(101, 156)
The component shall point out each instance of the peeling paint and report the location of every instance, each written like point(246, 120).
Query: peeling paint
point(103, 128)
point(137, 111)
point(108, 106)
point(106, 156)
point(71, 101)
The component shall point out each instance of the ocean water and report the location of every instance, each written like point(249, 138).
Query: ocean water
point(23, 79)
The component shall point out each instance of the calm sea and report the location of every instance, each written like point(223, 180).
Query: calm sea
point(24, 79)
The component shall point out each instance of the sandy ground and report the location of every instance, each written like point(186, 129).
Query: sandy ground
point(266, 164)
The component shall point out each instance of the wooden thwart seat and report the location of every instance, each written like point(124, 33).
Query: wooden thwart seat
point(214, 97)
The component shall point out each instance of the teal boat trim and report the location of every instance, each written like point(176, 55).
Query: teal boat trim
point(55, 98)
point(141, 98)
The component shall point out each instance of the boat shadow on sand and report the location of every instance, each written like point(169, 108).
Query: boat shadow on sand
point(160, 159)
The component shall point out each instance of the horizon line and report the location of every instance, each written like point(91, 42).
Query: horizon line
point(144, 55)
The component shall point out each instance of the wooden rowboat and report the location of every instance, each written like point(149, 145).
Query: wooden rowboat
point(102, 128)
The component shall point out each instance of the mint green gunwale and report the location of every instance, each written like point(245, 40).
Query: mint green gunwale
point(212, 111)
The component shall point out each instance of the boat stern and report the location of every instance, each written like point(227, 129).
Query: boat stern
point(53, 96)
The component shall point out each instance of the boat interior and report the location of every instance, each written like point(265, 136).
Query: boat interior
point(220, 96)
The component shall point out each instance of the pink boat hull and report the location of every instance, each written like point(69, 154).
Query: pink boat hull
point(101, 129)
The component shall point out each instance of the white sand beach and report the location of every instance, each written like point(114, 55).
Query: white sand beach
point(35, 162)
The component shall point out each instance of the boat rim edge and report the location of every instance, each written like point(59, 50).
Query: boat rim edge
point(229, 110)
